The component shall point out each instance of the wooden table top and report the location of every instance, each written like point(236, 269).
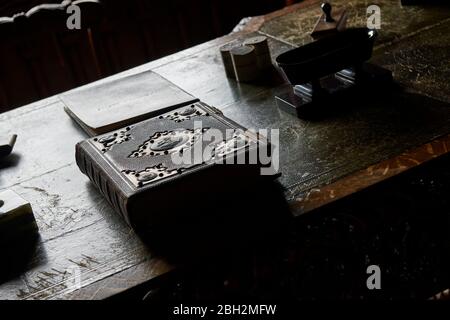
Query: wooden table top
point(78, 229)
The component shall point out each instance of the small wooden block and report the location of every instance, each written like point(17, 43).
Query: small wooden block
point(245, 63)
point(225, 52)
point(16, 216)
point(7, 145)
point(262, 51)
point(326, 26)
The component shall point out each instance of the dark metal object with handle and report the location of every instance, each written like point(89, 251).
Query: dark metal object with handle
point(327, 68)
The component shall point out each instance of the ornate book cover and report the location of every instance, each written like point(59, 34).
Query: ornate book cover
point(154, 167)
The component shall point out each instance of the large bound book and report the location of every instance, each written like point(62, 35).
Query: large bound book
point(113, 104)
point(152, 171)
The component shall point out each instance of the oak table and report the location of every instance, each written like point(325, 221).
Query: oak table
point(321, 161)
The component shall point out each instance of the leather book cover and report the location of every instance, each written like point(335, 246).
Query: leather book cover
point(116, 103)
point(151, 169)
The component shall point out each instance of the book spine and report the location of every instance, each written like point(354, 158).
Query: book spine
point(101, 180)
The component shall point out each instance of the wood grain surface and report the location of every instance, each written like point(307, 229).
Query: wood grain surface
point(80, 231)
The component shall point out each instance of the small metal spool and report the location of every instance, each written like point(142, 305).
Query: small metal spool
point(225, 52)
point(245, 63)
point(261, 45)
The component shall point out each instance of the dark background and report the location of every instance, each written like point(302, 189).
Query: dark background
point(40, 57)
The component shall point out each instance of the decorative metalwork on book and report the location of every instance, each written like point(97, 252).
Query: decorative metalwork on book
point(185, 114)
point(237, 142)
point(167, 142)
point(105, 142)
point(149, 175)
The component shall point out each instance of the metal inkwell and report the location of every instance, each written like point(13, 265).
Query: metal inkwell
point(327, 69)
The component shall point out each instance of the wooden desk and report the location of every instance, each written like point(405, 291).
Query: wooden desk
point(79, 229)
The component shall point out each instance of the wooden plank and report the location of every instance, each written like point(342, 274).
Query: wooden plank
point(43, 171)
point(322, 195)
point(78, 229)
point(46, 140)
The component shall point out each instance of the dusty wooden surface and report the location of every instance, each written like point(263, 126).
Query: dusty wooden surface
point(78, 229)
